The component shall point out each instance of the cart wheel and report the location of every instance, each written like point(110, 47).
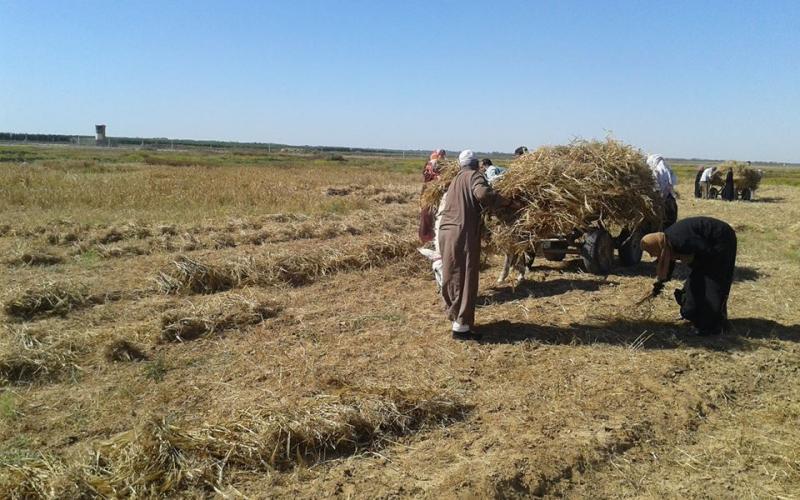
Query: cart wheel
point(713, 193)
point(746, 194)
point(630, 248)
point(597, 251)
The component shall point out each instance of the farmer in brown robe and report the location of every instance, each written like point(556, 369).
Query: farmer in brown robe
point(460, 242)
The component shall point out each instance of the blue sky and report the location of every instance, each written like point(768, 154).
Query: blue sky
point(686, 79)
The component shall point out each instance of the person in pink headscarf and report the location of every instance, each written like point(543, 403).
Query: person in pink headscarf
point(426, 216)
point(431, 170)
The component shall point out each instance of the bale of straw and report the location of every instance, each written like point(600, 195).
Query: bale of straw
point(218, 315)
point(48, 299)
point(563, 188)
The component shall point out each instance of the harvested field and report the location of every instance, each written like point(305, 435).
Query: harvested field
point(302, 352)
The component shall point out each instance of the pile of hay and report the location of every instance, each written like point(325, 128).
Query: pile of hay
point(215, 316)
point(301, 269)
point(296, 269)
point(744, 177)
point(433, 191)
point(39, 476)
point(191, 276)
point(49, 299)
point(26, 357)
point(585, 183)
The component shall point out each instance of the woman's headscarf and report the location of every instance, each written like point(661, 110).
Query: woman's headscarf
point(652, 161)
point(657, 245)
point(438, 154)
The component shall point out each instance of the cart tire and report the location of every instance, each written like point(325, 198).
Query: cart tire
point(747, 195)
point(597, 251)
point(713, 193)
point(630, 248)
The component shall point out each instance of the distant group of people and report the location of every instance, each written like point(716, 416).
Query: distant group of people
point(706, 245)
point(704, 179)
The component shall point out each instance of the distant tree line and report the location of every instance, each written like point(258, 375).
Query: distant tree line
point(163, 142)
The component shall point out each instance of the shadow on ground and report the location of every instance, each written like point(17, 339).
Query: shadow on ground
point(641, 334)
point(646, 269)
point(768, 199)
point(540, 289)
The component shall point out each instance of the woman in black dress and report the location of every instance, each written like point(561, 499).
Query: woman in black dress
point(698, 191)
point(729, 191)
point(708, 246)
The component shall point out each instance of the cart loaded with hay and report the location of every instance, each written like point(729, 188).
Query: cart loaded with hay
point(745, 180)
point(587, 198)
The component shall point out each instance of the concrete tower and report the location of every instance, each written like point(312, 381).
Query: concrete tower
point(100, 135)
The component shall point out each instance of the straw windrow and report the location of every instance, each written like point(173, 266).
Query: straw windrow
point(167, 457)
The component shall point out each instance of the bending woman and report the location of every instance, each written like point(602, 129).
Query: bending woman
point(708, 246)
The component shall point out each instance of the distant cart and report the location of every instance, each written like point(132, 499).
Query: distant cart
point(745, 180)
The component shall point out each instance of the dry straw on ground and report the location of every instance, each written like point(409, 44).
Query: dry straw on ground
point(123, 350)
point(50, 298)
point(56, 299)
point(217, 315)
point(35, 258)
point(191, 276)
point(163, 457)
point(300, 269)
point(25, 357)
point(293, 268)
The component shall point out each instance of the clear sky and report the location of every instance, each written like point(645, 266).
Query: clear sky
point(709, 79)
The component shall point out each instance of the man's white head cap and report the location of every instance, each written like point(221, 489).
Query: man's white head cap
point(467, 157)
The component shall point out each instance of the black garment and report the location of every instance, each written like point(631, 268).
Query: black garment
point(729, 191)
point(712, 243)
point(670, 211)
point(698, 192)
